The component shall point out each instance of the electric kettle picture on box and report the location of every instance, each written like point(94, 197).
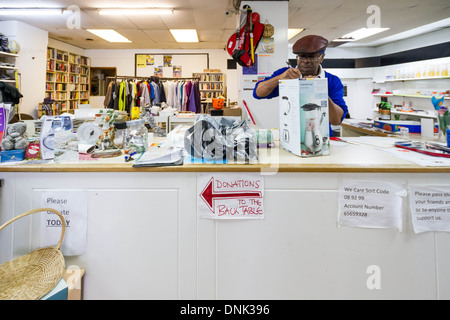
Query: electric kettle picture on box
point(303, 111)
point(313, 120)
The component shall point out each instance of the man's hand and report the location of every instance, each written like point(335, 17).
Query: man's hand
point(291, 73)
point(266, 87)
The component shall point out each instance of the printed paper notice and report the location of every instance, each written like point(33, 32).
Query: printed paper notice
point(430, 208)
point(73, 206)
point(141, 61)
point(230, 195)
point(369, 204)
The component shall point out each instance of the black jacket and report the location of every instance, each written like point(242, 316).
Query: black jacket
point(10, 93)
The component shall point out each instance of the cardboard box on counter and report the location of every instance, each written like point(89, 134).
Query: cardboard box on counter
point(394, 126)
point(234, 111)
point(304, 123)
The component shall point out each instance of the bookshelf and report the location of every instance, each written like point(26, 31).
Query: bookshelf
point(67, 79)
point(211, 84)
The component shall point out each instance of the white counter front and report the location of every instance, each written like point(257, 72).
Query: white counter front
point(145, 239)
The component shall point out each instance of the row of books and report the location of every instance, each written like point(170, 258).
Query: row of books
point(56, 77)
point(211, 77)
point(66, 57)
point(211, 86)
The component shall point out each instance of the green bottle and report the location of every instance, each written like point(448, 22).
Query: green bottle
point(384, 109)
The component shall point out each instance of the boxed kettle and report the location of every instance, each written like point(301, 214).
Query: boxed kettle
point(304, 121)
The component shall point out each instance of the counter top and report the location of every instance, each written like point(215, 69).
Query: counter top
point(344, 157)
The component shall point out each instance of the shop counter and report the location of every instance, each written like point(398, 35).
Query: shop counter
point(145, 239)
point(347, 158)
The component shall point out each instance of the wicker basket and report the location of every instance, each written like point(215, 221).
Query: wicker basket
point(35, 274)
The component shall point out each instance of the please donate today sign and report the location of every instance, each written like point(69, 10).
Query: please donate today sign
point(72, 204)
point(230, 195)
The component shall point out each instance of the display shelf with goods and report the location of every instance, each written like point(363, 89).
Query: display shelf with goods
point(410, 87)
point(211, 84)
point(67, 80)
point(9, 73)
point(8, 67)
point(8, 70)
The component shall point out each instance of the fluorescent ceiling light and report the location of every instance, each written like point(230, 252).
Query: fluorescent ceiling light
point(135, 11)
point(28, 12)
point(441, 24)
point(360, 34)
point(293, 32)
point(185, 35)
point(109, 35)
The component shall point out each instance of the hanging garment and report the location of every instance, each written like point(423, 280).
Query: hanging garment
point(162, 94)
point(150, 90)
point(156, 90)
point(198, 100)
point(180, 101)
point(188, 86)
point(165, 92)
point(145, 95)
point(191, 104)
point(108, 95)
point(116, 96)
point(168, 91)
point(122, 96)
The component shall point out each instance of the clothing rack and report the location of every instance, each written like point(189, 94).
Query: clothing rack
point(173, 95)
point(148, 77)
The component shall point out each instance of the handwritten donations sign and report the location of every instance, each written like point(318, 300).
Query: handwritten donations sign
point(72, 204)
point(370, 204)
point(230, 195)
point(430, 208)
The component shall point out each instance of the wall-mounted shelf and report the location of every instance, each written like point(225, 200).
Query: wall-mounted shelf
point(414, 114)
point(413, 79)
point(404, 95)
point(8, 69)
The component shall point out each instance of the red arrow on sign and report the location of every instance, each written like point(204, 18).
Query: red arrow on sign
point(208, 195)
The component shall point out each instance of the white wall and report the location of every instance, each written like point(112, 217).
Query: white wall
point(265, 112)
point(66, 47)
point(31, 62)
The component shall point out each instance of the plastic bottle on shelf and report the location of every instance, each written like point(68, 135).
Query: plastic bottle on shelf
point(384, 110)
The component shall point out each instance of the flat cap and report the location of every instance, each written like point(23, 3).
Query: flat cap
point(310, 44)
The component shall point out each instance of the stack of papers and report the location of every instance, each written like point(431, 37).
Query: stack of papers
point(160, 156)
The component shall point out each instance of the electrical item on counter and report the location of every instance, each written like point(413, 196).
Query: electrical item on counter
point(50, 125)
point(88, 133)
point(304, 122)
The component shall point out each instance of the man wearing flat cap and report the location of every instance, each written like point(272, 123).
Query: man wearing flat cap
point(310, 51)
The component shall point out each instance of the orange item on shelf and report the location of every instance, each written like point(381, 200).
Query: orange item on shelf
point(218, 103)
